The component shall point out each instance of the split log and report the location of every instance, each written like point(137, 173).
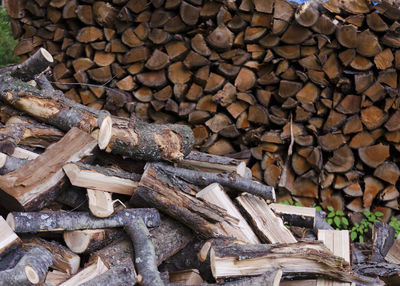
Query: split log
point(20, 192)
point(8, 239)
point(311, 259)
point(64, 259)
point(55, 221)
point(382, 241)
point(119, 275)
point(27, 134)
point(86, 274)
point(31, 269)
point(392, 255)
point(100, 203)
point(339, 243)
point(227, 180)
point(145, 256)
point(294, 215)
point(101, 179)
point(240, 230)
point(268, 226)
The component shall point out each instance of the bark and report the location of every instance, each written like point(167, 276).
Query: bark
point(383, 238)
point(11, 164)
point(227, 180)
point(122, 274)
point(145, 256)
point(31, 269)
point(51, 221)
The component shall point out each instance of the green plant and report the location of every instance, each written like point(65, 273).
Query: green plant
point(291, 203)
point(7, 43)
point(360, 229)
point(337, 218)
point(395, 223)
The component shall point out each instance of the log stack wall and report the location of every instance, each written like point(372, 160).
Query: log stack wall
point(307, 94)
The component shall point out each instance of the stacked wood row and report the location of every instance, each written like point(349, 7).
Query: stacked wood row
point(307, 94)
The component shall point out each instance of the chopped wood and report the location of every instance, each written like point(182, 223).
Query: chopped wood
point(269, 227)
point(121, 274)
point(240, 230)
point(101, 179)
point(23, 192)
point(86, 274)
point(8, 239)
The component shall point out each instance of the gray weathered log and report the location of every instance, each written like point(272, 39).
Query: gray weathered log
point(145, 256)
point(51, 221)
point(31, 269)
point(33, 66)
point(227, 180)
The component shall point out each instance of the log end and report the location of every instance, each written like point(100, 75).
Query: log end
point(105, 133)
point(46, 55)
point(11, 221)
point(31, 274)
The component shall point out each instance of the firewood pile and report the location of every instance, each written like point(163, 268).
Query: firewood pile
point(307, 95)
point(88, 198)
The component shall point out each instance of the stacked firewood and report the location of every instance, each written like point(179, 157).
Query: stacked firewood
point(64, 167)
point(307, 94)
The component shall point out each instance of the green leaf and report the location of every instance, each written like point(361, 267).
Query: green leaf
point(329, 220)
point(378, 214)
point(367, 213)
point(331, 214)
point(330, 208)
point(298, 204)
point(337, 221)
point(345, 221)
point(340, 213)
point(318, 208)
point(361, 238)
point(353, 235)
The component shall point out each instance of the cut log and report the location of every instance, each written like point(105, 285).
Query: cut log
point(90, 240)
point(168, 239)
point(268, 226)
point(31, 269)
point(55, 221)
point(64, 259)
point(145, 256)
point(21, 192)
point(142, 141)
point(101, 179)
point(36, 64)
point(372, 187)
point(214, 163)
point(295, 216)
point(240, 230)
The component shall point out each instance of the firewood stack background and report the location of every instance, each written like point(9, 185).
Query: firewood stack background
point(306, 95)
